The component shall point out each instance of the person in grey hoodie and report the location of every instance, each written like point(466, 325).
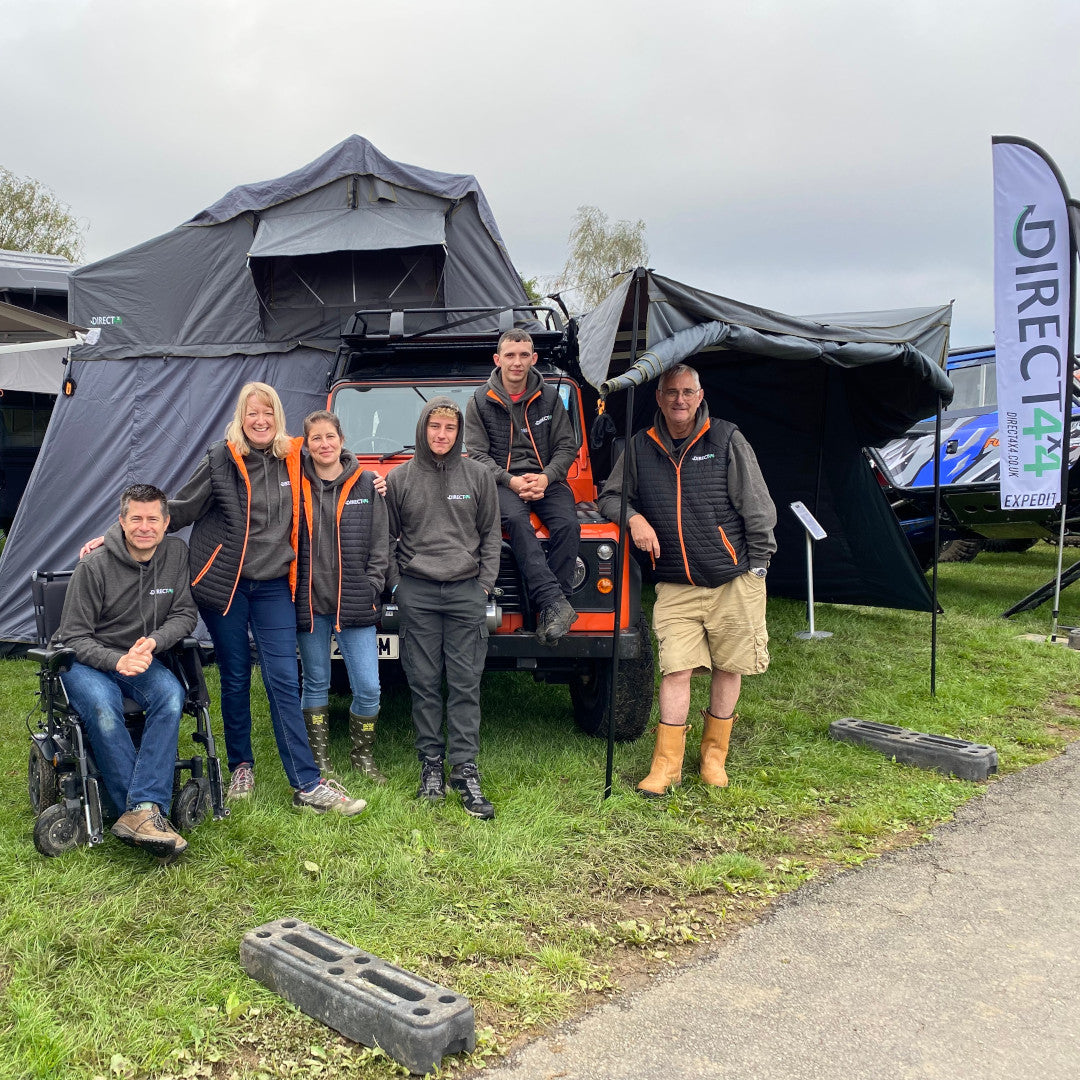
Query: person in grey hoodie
point(444, 527)
point(127, 603)
point(344, 549)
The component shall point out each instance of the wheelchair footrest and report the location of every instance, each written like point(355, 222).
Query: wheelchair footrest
point(953, 757)
point(366, 999)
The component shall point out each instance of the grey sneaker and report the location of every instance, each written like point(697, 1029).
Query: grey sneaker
point(465, 780)
point(328, 795)
point(432, 782)
point(148, 829)
point(242, 782)
point(555, 621)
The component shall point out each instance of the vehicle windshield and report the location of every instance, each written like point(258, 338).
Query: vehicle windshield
point(382, 419)
point(976, 387)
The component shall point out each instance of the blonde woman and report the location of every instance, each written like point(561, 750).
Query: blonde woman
point(243, 503)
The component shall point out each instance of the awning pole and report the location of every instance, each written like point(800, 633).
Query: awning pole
point(623, 548)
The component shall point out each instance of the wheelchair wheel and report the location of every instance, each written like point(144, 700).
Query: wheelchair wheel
point(191, 807)
point(41, 780)
point(58, 830)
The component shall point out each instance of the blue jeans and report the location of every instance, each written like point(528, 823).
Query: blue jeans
point(267, 608)
point(131, 776)
point(360, 652)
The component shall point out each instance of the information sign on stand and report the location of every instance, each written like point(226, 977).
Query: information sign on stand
point(814, 531)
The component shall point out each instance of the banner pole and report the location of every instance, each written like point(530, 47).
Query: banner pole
point(937, 548)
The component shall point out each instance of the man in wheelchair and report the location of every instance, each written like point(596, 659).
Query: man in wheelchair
point(127, 601)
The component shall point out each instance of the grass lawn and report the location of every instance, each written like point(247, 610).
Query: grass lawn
point(114, 966)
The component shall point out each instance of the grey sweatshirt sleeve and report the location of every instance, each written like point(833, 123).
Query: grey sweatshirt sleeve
point(611, 494)
point(393, 529)
point(378, 559)
point(82, 608)
point(564, 444)
point(192, 499)
point(478, 444)
point(489, 525)
point(750, 497)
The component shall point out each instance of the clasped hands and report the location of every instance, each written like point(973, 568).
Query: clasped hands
point(138, 658)
point(529, 487)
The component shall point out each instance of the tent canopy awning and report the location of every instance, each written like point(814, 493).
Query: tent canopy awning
point(893, 361)
point(364, 228)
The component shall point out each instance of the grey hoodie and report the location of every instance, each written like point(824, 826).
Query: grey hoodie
point(444, 512)
point(113, 600)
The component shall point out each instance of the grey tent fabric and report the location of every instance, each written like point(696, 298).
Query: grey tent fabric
point(809, 393)
point(374, 228)
point(256, 287)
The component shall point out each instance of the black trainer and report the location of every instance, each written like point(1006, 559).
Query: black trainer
point(465, 780)
point(432, 783)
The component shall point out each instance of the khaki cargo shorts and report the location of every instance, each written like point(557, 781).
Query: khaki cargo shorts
point(700, 629)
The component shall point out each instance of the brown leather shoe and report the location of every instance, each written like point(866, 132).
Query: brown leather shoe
point(149, 829)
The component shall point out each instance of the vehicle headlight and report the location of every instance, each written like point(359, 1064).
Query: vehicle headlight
point(606, 552)
point(579, 574)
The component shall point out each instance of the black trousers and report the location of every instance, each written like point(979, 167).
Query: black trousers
point(546, 579)
point(444, 632)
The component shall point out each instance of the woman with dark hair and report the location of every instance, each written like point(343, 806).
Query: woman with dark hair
point(243, 503)
point(343, 554)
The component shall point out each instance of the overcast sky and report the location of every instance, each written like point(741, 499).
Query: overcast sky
point(802, 155)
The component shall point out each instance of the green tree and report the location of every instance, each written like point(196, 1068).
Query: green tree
point(599, 250)
point(32, 218)
point(533, 290)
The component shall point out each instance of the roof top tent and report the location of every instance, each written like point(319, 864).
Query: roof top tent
point(258, 286)
point(808, 393)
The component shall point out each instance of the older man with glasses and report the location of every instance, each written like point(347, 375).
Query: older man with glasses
point(699, 508)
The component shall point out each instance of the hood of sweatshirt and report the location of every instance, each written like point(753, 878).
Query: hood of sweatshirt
point(661, 428)
point(533, 381)
point(422, 455)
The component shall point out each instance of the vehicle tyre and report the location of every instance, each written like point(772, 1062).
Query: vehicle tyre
point(590, 694)
point(41, 780)
point(191, 807)
point(58, 829)
point(959, 550)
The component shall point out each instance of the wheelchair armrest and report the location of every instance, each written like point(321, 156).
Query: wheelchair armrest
point(187, 644)
point(56, 660)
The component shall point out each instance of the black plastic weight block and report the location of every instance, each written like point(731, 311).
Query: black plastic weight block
point(953, 757)
point(368, 1000)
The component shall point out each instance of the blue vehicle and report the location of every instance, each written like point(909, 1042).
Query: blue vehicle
point(971, 514)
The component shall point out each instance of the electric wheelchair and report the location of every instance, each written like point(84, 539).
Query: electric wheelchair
point(66, 791)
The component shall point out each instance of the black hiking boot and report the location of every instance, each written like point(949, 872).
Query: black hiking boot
point(465, 780)
point(432, 783)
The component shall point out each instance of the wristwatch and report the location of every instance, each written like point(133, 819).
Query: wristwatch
point(758, 571)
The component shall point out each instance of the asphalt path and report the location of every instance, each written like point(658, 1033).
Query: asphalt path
point(956, 959)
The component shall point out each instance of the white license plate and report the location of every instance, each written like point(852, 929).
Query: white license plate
point(387, 643)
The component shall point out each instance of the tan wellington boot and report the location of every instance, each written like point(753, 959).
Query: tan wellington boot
point(666, 771)
point(317, 722)
point(714, 747)
point(361, 738)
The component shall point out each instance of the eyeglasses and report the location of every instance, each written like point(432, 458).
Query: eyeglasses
point(673, 395)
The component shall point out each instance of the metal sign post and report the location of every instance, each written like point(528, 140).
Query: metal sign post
point(814, 531)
